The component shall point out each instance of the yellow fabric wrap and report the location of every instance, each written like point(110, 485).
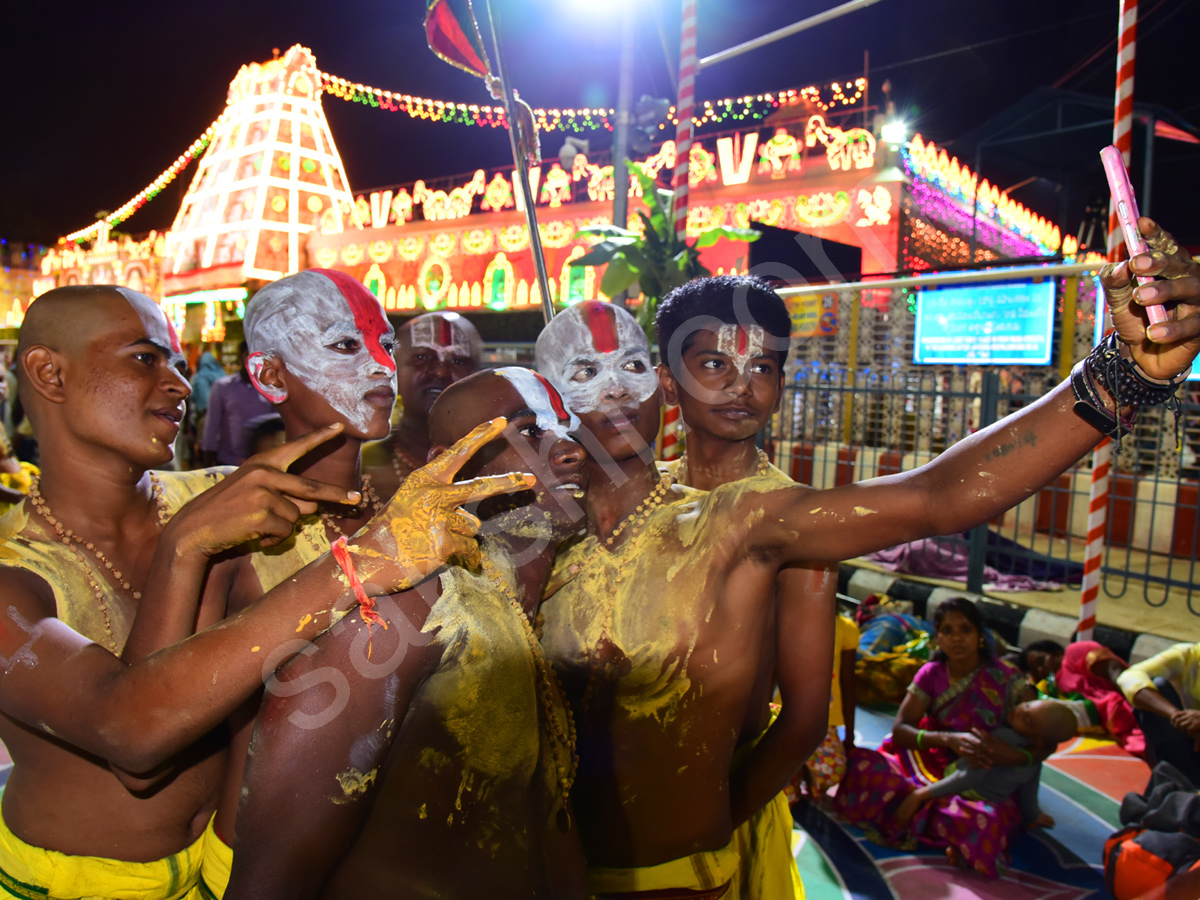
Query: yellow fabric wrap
point(758, 863)
point(218, 863)
point(274, 565)
point(766, 845)
point(700, 871)
point(25, 545)
point(32, 873)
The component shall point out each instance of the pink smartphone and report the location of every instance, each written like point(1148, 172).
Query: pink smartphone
point(1127, 214)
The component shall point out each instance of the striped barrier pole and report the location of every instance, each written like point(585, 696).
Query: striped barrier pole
point(1097, 523)
point(672, 426)
point(1102, 455)
point(685, 108)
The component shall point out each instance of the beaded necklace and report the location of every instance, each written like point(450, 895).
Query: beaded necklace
point(638, 517)
point(74, 542)
point(368, 496)
point(402, 464)
point(764, 465)
point(566, 760)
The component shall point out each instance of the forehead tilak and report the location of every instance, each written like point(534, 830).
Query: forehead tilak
point(741, 344)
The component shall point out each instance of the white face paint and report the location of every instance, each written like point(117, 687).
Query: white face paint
point(598, 357)
point(446, 335)
point(741, 345)
point(558, 422)
point(339, 349)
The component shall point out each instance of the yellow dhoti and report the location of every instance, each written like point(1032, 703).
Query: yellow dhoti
point(708, 871)
point(766, 856)
point(217, 864)
point(31, 873)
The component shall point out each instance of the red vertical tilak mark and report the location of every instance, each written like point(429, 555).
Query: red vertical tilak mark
point(368, 314)
point(743, 341)
point(602, 323)
point(445, 332)
point(556, 401)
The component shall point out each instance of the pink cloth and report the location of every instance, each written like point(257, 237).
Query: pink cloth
point(1076, 677)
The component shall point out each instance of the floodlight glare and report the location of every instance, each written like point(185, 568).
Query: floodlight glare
point(894, 132)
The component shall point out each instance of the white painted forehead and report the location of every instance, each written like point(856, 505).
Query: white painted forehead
point(569, 335)
point(445, 333)
point(289, 309)
point(537, 397)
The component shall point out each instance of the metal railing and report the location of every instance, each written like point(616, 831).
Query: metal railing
point(838, 427)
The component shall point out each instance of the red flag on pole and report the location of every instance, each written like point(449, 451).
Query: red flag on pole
point(454, 36)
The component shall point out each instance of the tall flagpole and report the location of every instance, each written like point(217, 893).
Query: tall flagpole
point(516, 136)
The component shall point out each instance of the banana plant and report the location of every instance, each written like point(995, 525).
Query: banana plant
point(655, 261)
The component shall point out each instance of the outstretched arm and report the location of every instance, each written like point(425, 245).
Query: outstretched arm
point(135, 716)
point(804, 639)
point(999, 466)
point(320, 748)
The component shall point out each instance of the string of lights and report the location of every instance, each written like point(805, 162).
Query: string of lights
point(751, 107)
point(738, 109)
point(150, 191)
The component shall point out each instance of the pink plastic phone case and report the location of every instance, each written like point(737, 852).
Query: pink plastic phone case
point(1127, 213)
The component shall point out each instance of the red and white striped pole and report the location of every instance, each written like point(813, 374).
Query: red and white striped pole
point(1097, 523)
point(1102, 455)
point(1123, 109)
point(685, 108)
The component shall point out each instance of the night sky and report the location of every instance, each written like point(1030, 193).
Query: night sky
point(102, 97)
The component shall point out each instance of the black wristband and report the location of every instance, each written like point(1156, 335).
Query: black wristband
point(1091, 408)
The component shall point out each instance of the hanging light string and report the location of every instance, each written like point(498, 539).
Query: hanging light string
point(150, 191)
point(749, 108)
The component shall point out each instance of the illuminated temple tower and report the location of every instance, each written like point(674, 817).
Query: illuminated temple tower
point(270, 175)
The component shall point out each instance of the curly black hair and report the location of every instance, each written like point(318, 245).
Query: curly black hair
point(721, 300)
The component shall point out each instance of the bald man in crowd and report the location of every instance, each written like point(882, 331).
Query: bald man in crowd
point(114, 767)
point(433, 351)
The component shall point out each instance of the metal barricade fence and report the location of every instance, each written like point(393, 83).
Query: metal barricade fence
point(836, 427)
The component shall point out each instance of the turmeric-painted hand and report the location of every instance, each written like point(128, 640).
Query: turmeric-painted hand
point(422, 526)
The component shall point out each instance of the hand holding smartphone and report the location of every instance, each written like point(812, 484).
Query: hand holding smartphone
point(1127, 213)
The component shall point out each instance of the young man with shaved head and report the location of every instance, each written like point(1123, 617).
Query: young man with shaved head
point(725, 371)
point(664, 608)
point(113, 776)
point(433, 351)
point(320, 351)
point(436, 758)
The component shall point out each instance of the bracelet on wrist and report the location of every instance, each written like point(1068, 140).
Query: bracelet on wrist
point(920, 738)
point(1110, 367)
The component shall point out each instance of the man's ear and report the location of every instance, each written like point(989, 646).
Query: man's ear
point(670, 387)
point(267, 375)
point(42, 370)
point(779, 396)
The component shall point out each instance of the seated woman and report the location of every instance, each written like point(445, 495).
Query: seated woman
point(1165, 693)
point(1088, 671)
point(953, 701)
point(15, 475)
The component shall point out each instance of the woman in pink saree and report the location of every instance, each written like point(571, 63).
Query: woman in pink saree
point(952, 704)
